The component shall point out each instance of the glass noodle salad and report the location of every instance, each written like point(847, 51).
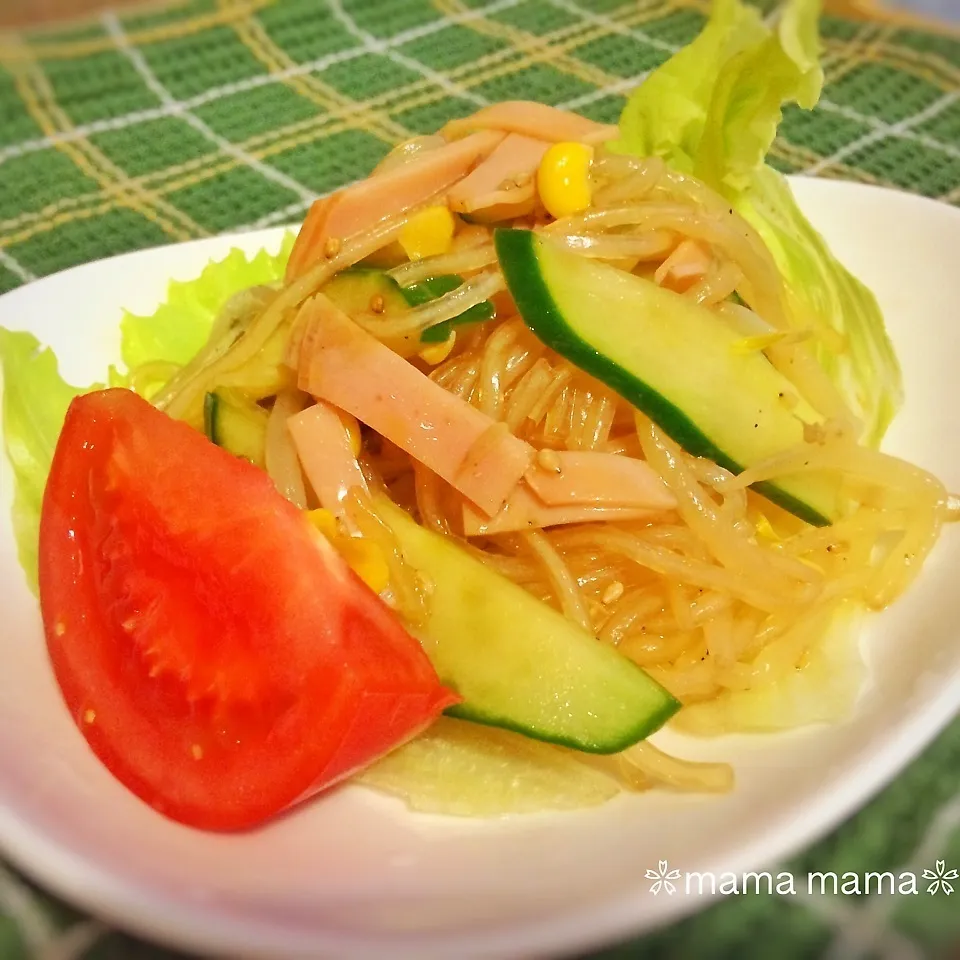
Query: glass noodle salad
point(545, 435)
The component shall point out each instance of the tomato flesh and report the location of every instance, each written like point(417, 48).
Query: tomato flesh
point(218, 655)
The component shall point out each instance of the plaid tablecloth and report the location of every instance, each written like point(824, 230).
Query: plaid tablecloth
point(187, 118)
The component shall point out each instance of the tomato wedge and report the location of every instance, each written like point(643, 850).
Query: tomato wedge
point(218, 655)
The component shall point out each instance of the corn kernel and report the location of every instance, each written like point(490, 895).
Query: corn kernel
point(367, 562)
point(428, 233)
point(364, 558)
point(325, 522)
point(563, 178)
point(352, 426)
point(438, 352)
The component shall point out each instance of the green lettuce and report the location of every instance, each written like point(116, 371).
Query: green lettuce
point(177, 330)
point(866, 369)
point(713, 111)
point(667, 114)
point(36, 397)
point(35, 401)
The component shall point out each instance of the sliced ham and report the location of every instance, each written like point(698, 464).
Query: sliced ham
point(323, 446)
point(507, 176)
point(599, 479)
point(359, 207)
point(308, 246)
point(533, 120)
point(352, 370)
point(525, 511)
point(688, 263)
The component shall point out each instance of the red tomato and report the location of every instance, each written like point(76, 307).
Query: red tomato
point(219, 656)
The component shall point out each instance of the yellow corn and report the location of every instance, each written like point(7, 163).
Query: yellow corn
point(352, 426)
point(364, 558)
point(563, 179)
point(428, 233)
point(438, 352)
point(325, 522)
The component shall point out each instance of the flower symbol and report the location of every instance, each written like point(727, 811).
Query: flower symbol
point(940, 878)
point(662, 876)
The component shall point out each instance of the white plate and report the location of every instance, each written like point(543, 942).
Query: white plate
point(354, 875)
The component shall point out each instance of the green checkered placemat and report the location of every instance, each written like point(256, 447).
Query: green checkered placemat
point(193, 117)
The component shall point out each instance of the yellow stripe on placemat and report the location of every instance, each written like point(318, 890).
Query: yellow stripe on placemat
point(253, 36)
point(39, 98)
point(530, 44)
point(804, 157)
point(842, 56)
point(13, 48)
point(925, 64)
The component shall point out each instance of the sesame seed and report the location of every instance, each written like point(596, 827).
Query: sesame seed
point(332, 247)
point(377, 304)
point(196, 751)
point(59, 628)
point(613, 593)
point(549, 460)
point(89, 716)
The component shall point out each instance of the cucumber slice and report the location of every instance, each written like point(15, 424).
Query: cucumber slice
point(365, 289)
point(465, 769)
point(518, 663)
point(355, 290)
point(670, 358)
point(435, 287)
point(237, 425)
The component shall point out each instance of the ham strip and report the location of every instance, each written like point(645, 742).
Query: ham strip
point(525, 511)
point(344, 365)
point(685, 266)
point(506, 176)
point(534, 120)
point(357, 208)
point(323, 446)
point(600, 479)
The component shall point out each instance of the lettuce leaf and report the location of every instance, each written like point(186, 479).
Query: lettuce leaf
point(713, 110)
point(180, 326)
point(35, 401)
point(866, 369)
point(667, 114)
point(36, 397)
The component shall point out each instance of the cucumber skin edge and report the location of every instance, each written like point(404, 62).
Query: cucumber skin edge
point(650, 725)
point(516, 253)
